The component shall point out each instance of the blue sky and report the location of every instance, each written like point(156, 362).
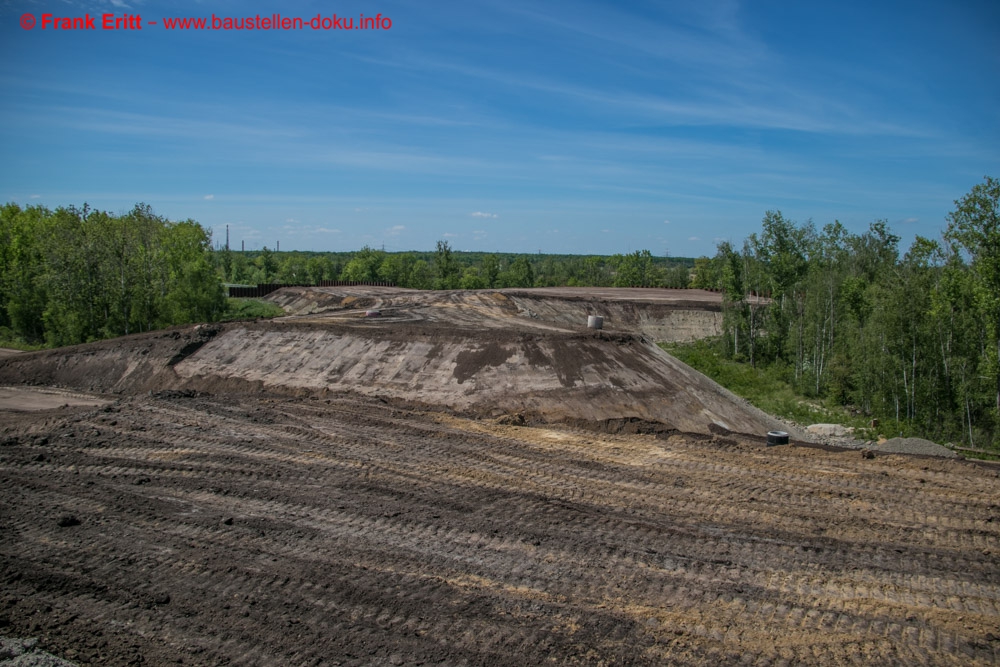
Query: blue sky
point(575, 127)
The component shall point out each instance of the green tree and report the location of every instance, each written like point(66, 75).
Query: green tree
point(635, 270)
point(364, 266)
point(321, 267)
point(395, 269)
point(194, 293)
point(267, 263)
point(974, 227)
point(421, 275)
point(472, 279)
point(707, 273)
point(22, 266)
point(520, 274)
point(446, 270)
point(490, 270)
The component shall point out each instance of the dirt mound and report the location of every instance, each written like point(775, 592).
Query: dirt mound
point(476, 353)
point(554, 377)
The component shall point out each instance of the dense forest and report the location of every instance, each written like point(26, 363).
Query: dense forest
point(910, 338)
point(74, 275)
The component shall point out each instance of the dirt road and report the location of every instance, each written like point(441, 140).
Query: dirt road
point(259, 530)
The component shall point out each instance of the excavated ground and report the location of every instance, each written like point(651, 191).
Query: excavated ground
point(153, 515)
point(673, 315)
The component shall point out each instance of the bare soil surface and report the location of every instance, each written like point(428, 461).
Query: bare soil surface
point(277, 530)
point(661, 314)
point(225, 506)
point(31, 399)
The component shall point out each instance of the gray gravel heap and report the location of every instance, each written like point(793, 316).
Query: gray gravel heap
point(25, 653)
point(914, 446)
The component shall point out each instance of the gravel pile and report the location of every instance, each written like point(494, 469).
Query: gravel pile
point(25, 653)
point(915, 446)
point(894, 446)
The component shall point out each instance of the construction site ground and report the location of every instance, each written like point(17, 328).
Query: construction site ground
point(151, 514)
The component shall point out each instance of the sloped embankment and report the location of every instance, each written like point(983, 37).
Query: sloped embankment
point(520, 353)
point(126, 365)
point(595, 377)
point(587, 378)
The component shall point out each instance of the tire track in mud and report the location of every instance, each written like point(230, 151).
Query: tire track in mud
point(280, 530)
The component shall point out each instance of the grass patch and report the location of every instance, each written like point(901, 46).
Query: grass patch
point(766, 388)
point(248, 309)
point(12, 342)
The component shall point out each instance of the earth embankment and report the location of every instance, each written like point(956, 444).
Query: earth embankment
point(586, 377)
point(489, 353)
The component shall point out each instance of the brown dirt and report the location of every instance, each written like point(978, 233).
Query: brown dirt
point(33, 399)
point(276, 530)
point(261, 517)
point(660, 314)
point(430, 358)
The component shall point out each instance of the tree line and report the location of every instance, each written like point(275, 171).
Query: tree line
point(445, 268)
point(76, 274)
point(912, 339)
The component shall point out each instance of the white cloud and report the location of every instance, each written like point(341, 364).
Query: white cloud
point(481, 214)
point(327, 230)
point(606, 231)
point(395, 230)
point(666, 222)
point(36, 197)
point(909, 221)
point(209, 197)
point(693, 238)
point(449, 235)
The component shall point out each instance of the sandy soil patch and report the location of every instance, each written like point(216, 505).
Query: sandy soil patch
point(31, 399)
